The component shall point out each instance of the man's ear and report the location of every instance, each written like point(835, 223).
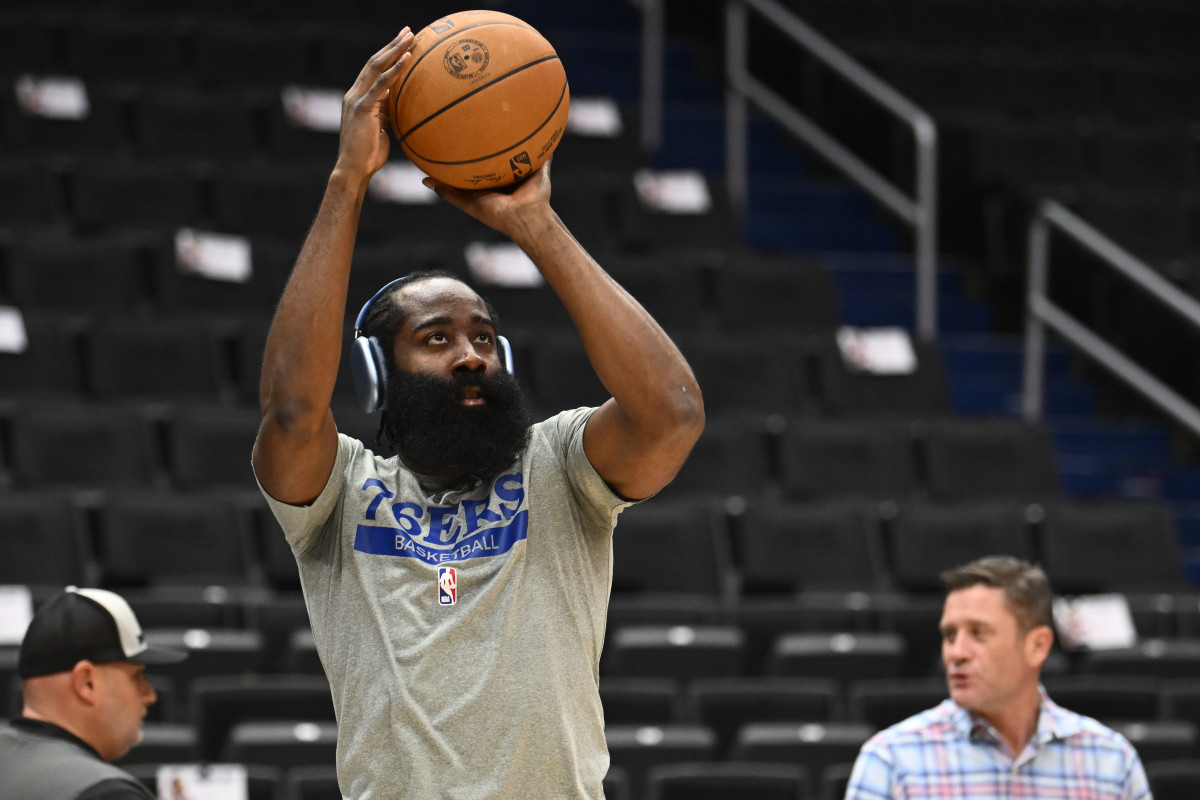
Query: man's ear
point(83, 681)
point(1038, 642)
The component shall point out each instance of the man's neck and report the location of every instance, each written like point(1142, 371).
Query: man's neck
point(1018, 721)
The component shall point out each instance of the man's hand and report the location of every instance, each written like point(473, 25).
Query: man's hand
point(364, 142)
point(511, 211)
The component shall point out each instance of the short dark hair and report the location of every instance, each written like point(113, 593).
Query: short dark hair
point(386, 316)
point(1027, 592)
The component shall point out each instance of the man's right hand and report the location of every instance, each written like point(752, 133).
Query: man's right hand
point(365, 142)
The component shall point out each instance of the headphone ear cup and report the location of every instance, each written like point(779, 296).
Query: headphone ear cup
point(369, 372)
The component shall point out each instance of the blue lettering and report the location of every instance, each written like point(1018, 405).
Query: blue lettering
point(474, 513)
point(439, 529)
point(384, 492)
point(510, 488)
point(409, 524)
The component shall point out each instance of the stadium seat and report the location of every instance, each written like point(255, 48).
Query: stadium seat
point(219, 702)
point(118, 50)
point(1176, 779)
point(57, 528)
point(92, 275)
point(823, 458)
point(973, 459)
point(1166, 659)
point(1108, 698)
point(727, 781)
point(823, 547)
point(179, 289)
point(684, 652)
point(844, 657)
point(108, 447)
point(811, 745)
point(795, 295)
point(1110, 546)
point(49, 368)
point(311, 782)
point(764, 619)
point(157, 359)
point(666, 552)
point(732, 457)
point(162, 743)
point(639, 701)
point(31, 196)
point(726, 705)
point(926, 539)
point(636, 749)
point(147, 538)
point(883, 703)
point(920, 394)
point(738, 379)
point(180, 124)
point(209, 447)
point(281, 744)
point(1160, 740)
point(137, 195)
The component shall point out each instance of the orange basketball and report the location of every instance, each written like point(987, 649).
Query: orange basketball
point(482, 102)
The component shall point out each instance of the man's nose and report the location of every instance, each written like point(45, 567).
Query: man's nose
point(469, 359)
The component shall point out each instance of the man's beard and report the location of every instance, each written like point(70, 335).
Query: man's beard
point(437, 435)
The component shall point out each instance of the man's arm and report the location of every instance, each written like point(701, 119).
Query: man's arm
point(871, 778)
point(638, 440)
point(297, 440)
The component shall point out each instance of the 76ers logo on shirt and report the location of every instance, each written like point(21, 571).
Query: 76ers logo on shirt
point(447, 586)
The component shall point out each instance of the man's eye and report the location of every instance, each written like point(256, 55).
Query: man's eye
point(485, 337)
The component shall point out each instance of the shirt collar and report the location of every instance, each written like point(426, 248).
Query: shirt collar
point(1054, 722)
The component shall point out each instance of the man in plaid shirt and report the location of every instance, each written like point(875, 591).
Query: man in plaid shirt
point(998, 735)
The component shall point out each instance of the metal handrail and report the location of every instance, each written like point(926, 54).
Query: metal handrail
point(919, 209)
point(1041, 312)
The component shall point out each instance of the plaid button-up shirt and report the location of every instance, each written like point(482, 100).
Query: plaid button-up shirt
point(946, 752)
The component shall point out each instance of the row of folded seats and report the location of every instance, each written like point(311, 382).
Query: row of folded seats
point(842, 588)
point(198, 447)
point(799, 732)
point(91, 195)
point(771, 547)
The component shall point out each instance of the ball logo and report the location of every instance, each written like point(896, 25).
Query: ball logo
point(447, 586)
point(466, 58)
point(520, 165)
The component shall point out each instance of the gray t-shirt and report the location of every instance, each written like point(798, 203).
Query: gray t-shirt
point(461, 630)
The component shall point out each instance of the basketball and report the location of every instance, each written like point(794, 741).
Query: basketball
point(482, 102)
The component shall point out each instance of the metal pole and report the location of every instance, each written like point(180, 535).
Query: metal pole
point(1035, 329)
point(653, 51)
point(737, 166)
point(925, 133)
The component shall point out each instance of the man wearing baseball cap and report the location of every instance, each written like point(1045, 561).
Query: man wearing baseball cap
point(82, 665)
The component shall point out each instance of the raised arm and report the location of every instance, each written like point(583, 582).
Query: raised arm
point(640, 438)
point(297, 441)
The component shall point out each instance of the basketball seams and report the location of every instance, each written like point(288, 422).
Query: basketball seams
point(456, 119)
point(541, 126)
point(412, 68)
point(403, 137)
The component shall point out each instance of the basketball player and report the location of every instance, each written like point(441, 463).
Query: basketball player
point(458, 591)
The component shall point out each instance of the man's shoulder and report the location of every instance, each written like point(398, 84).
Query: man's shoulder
point(933, 724)
point(1068, 724)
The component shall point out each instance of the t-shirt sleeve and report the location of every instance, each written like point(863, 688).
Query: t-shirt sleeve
point(591, 491)
point(305, 526)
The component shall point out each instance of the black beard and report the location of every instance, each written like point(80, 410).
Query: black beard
point(436, 435)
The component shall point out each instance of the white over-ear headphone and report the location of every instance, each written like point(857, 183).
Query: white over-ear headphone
point(369, 369)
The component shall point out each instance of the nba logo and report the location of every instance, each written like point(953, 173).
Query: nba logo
point(447, 586)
